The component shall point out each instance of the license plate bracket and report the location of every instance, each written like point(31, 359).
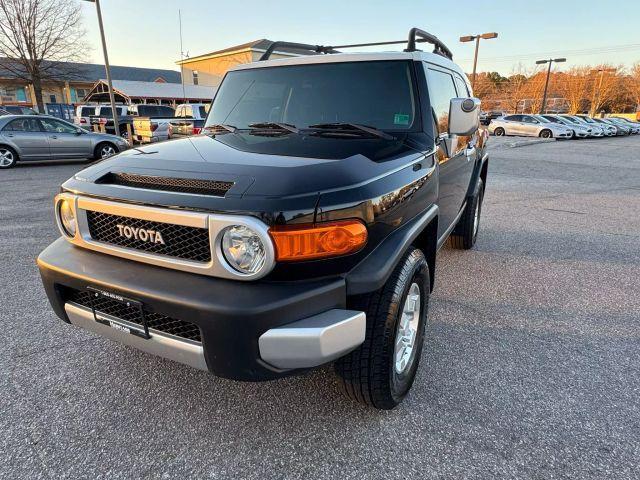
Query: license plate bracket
point(141, 330)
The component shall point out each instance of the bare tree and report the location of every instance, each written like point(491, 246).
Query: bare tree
point(633, 85)
point(37, 38)
point(573, 85)
point(607, 81)
point(515, 89)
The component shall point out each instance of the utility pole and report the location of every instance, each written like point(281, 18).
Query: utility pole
point(471, 38)
point(594, 97)
point(114, 112)
point(546, 83)
point(184, 95)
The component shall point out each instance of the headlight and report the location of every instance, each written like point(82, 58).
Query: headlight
point(67, 218)
point(243, 249)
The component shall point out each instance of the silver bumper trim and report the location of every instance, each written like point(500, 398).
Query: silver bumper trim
point(314, 340)
point(214, 223)
point(163, 346)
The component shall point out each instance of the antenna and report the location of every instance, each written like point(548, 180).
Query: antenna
point(184, 95)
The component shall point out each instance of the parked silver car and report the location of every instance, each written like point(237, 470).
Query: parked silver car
point(633, 126)
point(30, 137)
point(620, 130)
point(528, 126)
point(609, 130)
point(596, 130)
point(578, 130)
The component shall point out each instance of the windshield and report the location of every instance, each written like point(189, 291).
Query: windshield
point(570, 120)
point(541, 118)
point(377, 94)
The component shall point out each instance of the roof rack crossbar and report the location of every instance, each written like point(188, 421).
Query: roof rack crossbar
point(415, 36)
point(297, 46)
point(439, 47)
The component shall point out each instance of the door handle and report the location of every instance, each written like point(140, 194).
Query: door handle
point(9, 134)
point(53, 136)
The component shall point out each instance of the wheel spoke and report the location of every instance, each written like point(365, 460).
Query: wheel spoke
point(407, 329)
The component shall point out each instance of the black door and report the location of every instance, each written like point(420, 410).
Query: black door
point(454, 158)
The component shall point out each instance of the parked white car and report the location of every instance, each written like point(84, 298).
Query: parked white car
point(596, 130)
point(528, 126)
point(579, 130)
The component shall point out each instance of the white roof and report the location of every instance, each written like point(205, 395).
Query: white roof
point(354, 57)
point(132, 88)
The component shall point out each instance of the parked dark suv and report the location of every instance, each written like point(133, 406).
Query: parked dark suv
point(300, 229)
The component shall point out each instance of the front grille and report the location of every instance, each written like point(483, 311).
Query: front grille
point(155, 321)
point(182, 185)
point(188, 243)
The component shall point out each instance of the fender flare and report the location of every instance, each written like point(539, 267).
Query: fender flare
point(373, 272)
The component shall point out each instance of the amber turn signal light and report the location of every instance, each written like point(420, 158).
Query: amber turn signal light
point(321, 240)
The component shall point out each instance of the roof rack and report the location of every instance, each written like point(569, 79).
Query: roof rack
point(415, 36)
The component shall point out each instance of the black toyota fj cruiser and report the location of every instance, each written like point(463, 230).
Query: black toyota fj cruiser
point(300, 228)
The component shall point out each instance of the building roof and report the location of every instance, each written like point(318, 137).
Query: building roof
point(92, 72)
point(260, 45)
point(134, 89)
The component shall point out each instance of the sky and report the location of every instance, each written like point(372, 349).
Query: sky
point(145, 33)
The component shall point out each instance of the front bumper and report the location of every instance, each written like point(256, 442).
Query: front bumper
point(249, 331)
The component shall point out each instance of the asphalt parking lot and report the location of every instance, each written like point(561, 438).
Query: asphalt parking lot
point(531, 366)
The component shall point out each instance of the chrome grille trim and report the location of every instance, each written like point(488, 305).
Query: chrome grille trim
point(214, 223)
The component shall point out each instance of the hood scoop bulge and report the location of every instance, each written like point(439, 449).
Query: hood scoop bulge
point(214, 188)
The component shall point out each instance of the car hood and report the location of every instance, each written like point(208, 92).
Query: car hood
point(258, 166)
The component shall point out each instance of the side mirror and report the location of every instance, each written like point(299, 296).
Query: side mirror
point(79, 131)
point(464, 116)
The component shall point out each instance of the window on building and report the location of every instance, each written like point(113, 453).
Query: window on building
point(53, 98)
point(195, 77)
point(21, 94)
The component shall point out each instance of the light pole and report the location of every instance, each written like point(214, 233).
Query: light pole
point(114, 113)
point(471, 38)
point(593, 97)
point(546, 83)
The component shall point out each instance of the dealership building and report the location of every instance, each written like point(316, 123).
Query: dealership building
point(73, 89)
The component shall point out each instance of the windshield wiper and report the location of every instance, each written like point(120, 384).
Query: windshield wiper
point(274, 126)
point(351, 127)
point(221, 126)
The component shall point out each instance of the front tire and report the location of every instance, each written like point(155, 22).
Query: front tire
point(105, 150)
point(381, 371)
point(546, 134)
point(466, 232)
point(8, 157)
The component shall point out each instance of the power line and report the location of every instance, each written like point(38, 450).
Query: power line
point(579, 52)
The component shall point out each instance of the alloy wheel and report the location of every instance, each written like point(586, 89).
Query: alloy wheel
point(6, 158)
point(407, 330)
point(107, 151)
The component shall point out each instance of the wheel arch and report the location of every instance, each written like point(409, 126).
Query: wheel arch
point(12, 147)
point(427, 241)
point(372, 272)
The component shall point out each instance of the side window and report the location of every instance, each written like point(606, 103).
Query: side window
point(528, 119)
point(461, 86)
point(513, 118)
point(22, 125)
point(441, 91)
point(56, 126)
